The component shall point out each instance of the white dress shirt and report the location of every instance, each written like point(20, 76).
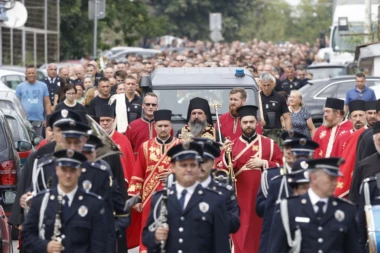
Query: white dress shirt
point(314, 198)
point(190, 191)
point(70, 195)
point(206, 182)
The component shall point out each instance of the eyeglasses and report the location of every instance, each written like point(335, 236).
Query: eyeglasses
point(150, 104)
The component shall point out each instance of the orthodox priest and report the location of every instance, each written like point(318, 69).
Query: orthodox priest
point(358, 120)
point(350, 150)
point(334, 125)
point(199, 120)
point(230, 121)
point(367, 167)
point(152, 166)
point(106, 115)
point(251, 153)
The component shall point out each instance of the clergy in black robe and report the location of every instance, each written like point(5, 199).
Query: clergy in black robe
point(366, 167)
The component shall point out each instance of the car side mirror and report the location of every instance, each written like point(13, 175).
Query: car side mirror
point(23, 146)
point(37, 140)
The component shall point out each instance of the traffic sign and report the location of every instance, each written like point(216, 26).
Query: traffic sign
point(100, 9)
point(215, 21)
point(216, 36)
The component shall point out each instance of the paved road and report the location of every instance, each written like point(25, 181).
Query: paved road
point(135, 250)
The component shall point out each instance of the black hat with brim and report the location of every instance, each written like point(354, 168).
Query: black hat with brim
point(69, 158)
point(105, 111)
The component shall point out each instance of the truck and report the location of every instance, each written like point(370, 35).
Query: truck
point(348, 24)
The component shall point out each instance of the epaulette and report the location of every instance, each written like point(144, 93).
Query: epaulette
point(369, 179)
point(46, 162)
point(94, 195)
point(223, 186)
point(345, 201)
point(211, 190)
point(99, 166)
point(277, 177)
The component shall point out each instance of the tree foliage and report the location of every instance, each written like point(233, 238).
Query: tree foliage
point(125, 23)
point(191, 17)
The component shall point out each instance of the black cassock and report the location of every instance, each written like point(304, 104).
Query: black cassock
point(365, 168)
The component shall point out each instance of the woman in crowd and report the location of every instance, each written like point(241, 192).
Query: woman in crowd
point(89, 95)
point(59, 96)
point(70, 103)
point(79, 95)
point(87, 82)
point(301, 118)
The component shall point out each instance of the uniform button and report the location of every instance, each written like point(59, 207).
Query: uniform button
point(179, 251)
point(182, 218)
point(320, 251)
point(320, 228)
point(180, 240)
point(180, 229)
point(320, 240)
point(63, 236)
point(203, 218)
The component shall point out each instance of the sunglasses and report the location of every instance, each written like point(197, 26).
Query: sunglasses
point(150, 104)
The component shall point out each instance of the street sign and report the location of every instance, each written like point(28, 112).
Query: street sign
point(216, 36)
point(100, 9)
point(215, 21)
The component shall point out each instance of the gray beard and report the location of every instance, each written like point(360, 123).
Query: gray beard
point(197, 128)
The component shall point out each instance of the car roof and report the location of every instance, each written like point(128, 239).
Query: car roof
point(4, 72)
point(197, 77)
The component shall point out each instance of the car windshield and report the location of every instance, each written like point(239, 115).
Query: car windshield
point(178, 100)
point(328, 72)
point(18, 132)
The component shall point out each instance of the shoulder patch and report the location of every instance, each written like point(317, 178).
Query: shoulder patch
point(99, 166)
point(345, 201)
point(223, 186)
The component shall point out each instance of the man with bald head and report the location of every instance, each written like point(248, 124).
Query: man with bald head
point(64, 73)
point(80, 73)
point(52, 81)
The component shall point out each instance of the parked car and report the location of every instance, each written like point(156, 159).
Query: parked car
point(314, 95)
point(123, 54)
point(9, 165)
point(9, 100)
point(183, 84)
point(20, 134)
point(10, 79)
point(329, 70)
point(40, 74)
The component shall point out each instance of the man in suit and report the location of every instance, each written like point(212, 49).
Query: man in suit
point(316, 221)
point(211, 150)
point(66, 217)
point(197, 220)
point(52, 81)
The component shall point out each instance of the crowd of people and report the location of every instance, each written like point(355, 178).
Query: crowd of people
point(264, 179)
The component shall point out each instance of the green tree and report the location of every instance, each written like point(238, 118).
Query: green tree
point(191, 18)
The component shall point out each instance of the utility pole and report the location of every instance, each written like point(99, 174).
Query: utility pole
point(367, 20)
point(96, 10)
point(95, 27)
point(378, 23)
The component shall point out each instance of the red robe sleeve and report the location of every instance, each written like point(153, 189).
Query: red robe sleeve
point(276, 160)
point(137, 180)
point(339, 145)
point(127, 159)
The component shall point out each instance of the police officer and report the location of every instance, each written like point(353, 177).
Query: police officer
point(279, 186)
point(369, 196)
point(197, 220)
point(210, 152)
point(270, 173)
point(66, 217)
point(316, 221)
point(97, 178)
point(291, 82)
point(52, 81)
point(274, 106)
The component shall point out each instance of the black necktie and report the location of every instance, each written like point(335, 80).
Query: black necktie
point(65, 207)
point(320, 212)
point(182, 199)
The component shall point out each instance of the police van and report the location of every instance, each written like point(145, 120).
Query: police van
point(175, 87)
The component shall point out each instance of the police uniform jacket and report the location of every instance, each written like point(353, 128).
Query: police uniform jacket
point(46, 175)
point(82, 231)
point(336, 232)
point(52, 86)
point(262, 195)
point(374, 194)
point(271, 206)
point(232, 206)
point(201, 228)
